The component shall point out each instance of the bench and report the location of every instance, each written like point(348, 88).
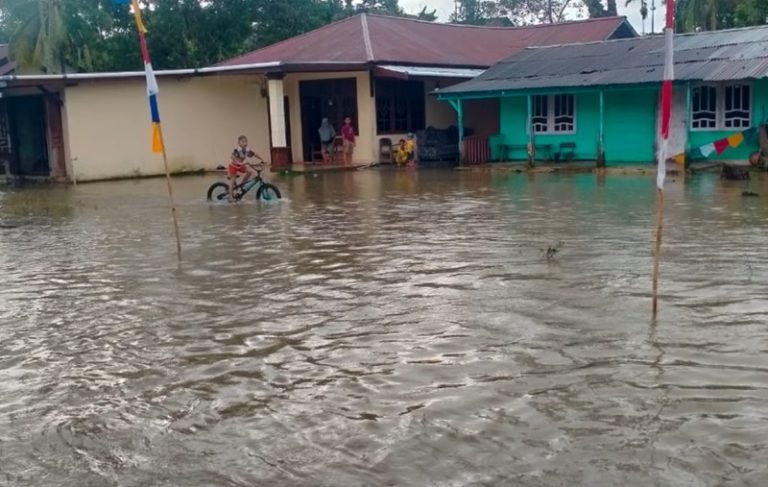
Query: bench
point(566, 153)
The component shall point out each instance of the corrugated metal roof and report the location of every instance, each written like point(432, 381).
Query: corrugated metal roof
point(398, 40)
point(735, 54)
point(434, 72)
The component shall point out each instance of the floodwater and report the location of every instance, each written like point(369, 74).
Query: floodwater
point(385, 327)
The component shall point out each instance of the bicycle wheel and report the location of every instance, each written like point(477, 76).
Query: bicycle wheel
point(268, 192)
point(218, 192)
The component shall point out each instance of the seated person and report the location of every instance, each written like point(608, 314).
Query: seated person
point(406, 151)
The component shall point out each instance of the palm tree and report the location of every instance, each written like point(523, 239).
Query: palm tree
point(39, 39)
point(643, 10)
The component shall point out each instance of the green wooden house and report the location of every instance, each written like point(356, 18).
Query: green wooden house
point(598, 101)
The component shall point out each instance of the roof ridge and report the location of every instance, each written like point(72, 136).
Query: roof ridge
point(367, 38)
point(649, 37)
point(492, 27)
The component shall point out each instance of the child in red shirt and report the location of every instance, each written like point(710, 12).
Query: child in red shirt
point(348, 138)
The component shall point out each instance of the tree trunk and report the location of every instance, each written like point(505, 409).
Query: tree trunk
point(612, 11)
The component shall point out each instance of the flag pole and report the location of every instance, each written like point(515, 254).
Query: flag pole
point(170, 195)
point(158, 142)
point(666, 113)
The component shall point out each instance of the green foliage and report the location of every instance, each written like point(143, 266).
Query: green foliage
point(596, 8)
point(512, 12)
point(99, 35)
point(751, 12)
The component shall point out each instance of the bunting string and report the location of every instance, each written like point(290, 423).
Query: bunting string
point(719, 146)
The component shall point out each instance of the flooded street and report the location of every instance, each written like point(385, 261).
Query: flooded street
point(385, 328)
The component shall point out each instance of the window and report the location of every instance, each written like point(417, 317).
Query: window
point(721, 107)
point(554, 114)
point(399, 106)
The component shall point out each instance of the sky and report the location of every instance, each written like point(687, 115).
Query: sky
point(446, 7)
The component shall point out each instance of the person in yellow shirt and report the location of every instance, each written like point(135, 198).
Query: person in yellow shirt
point(401, 155)
point(406, 152)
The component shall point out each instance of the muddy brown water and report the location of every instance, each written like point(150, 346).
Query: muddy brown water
point(385, 328)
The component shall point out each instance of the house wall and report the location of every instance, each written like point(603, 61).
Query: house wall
point(741, 153)
point(629, 132)
point(109, 128)
point(439, 114)
point(513, 121)
point(482, 116)
point(366, 149)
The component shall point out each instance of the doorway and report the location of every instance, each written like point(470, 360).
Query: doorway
point(333, 99)
point(28, 141)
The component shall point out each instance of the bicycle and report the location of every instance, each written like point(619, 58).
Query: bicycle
point(219, 191)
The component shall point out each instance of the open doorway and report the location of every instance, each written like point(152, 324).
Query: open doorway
point(334, 99)
point(25, 145)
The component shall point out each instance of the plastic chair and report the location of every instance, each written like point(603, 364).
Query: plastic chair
point(385, 150)
point(567, 152)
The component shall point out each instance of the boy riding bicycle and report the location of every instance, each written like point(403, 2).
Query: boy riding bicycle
point(237, 165)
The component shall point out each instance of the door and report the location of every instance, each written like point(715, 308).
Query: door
point(334, 99)
point(27, 120)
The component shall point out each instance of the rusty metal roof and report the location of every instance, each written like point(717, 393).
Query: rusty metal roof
point(735, 54)
point(374, 39)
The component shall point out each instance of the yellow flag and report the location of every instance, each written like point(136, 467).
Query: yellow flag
point(735, 140)
point(137, 16)
point(157, 139)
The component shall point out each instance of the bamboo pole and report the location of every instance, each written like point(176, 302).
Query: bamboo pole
point(170, 196)
point(657, 253)
point(666, 115)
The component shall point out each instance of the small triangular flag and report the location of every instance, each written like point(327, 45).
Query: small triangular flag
point(707, 150)
point(735, 140)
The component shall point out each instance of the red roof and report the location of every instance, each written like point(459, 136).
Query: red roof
point(376, 39)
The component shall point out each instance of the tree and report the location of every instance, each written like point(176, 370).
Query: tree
point(527, 12)
point(100, 35)
point(475, 12)
point(518, 12)
point(428, 16)
point(695, 15)
point(751, 12)
point(596, 9)
point(37, 34)
point(643, 10)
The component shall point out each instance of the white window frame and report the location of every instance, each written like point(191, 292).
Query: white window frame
point(551, 125)
point(720, 107)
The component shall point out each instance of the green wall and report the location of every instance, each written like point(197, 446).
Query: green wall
point(759, 106)
point(514, 114)
point(630, 127)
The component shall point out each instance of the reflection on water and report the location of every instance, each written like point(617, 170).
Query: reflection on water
point(384, 328)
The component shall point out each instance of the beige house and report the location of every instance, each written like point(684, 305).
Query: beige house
point(379, 71)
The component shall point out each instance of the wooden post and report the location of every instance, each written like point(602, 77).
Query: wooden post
point(460, 111)
point(601, 135)
point(688, 109)
point(457, 105)
point(279, 151)
point(531, 140)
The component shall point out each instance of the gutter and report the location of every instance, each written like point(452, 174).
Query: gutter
point(136, 74)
